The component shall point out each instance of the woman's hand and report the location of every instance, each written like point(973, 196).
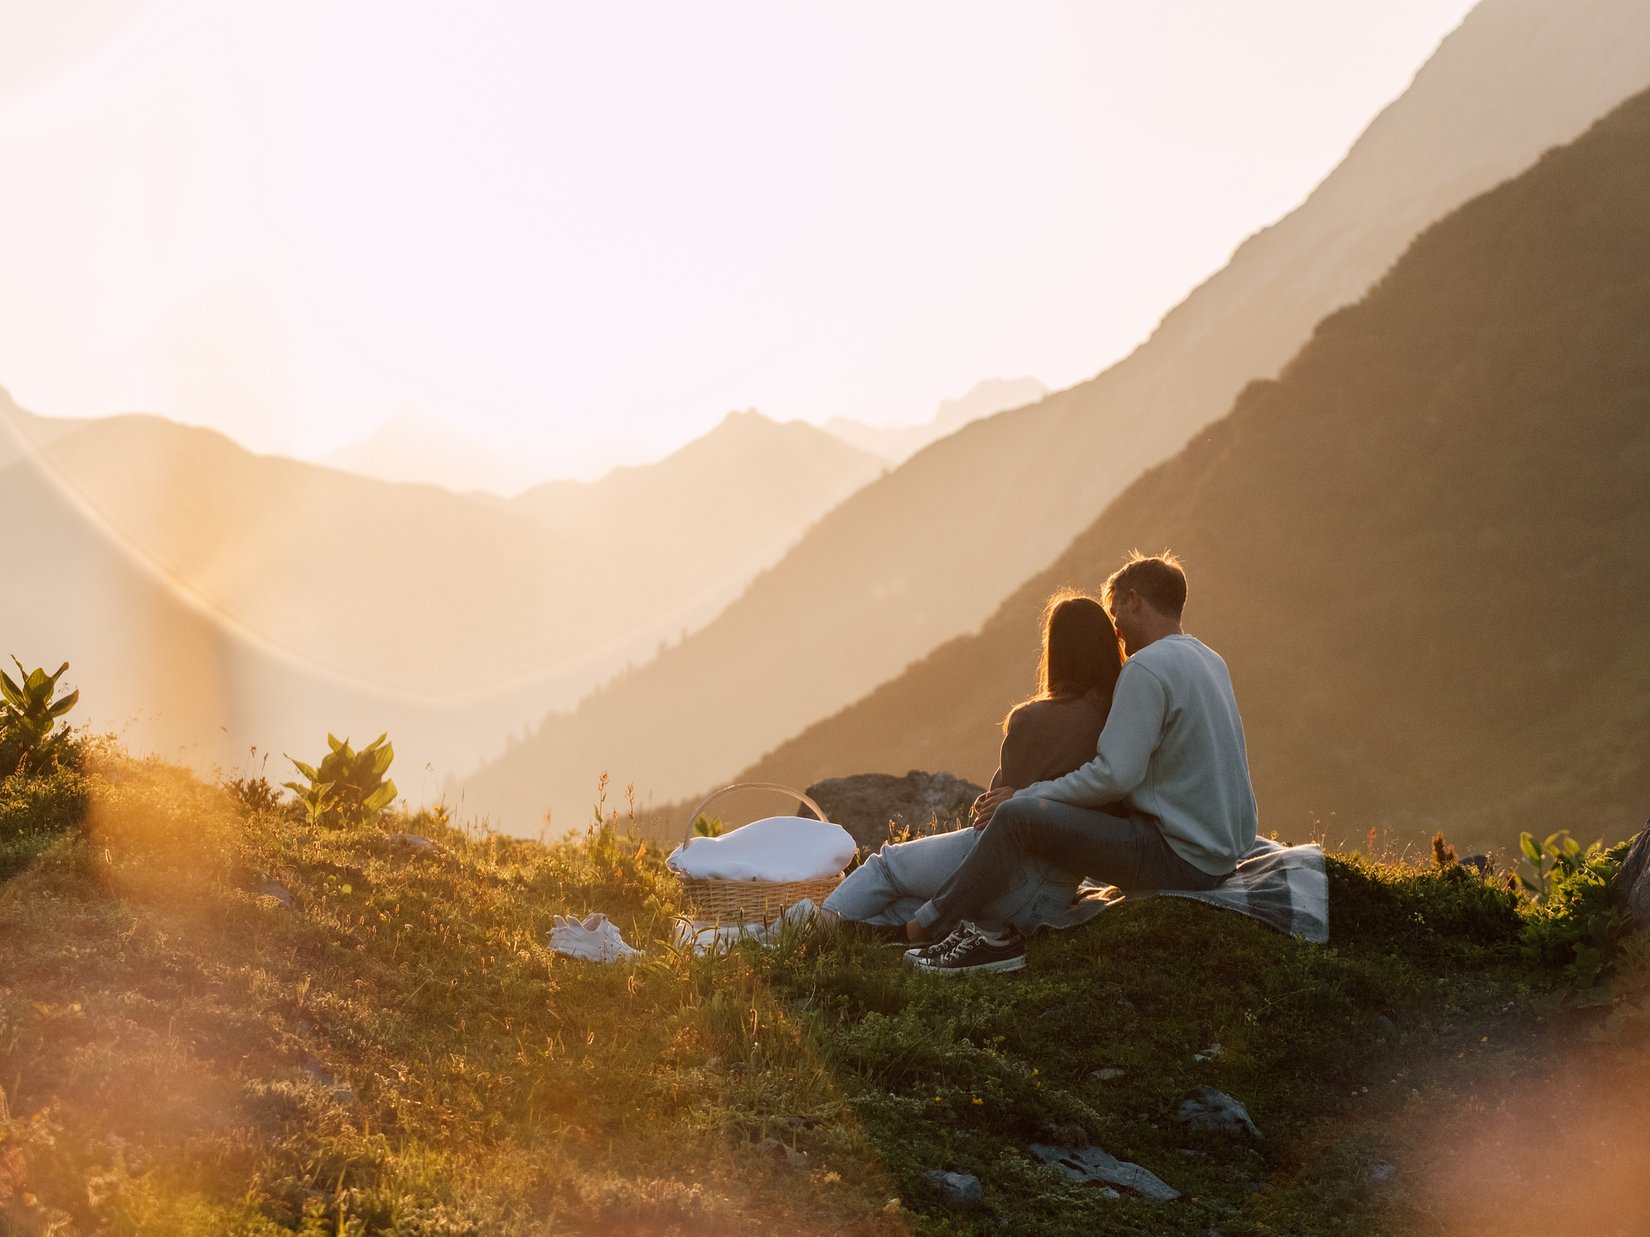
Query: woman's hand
point(988, 803)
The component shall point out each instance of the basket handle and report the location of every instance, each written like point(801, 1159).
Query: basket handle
point(789, 791)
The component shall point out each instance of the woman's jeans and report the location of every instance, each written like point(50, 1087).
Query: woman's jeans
point(891, 885)
point(1023, 832)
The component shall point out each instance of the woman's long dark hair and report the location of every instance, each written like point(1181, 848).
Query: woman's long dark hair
point(1081, 651)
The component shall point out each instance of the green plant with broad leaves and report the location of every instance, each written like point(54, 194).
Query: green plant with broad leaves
point(708, 826)
point(30, 712)
point(348, 787)
point(1559, 856)
point(1578, 922)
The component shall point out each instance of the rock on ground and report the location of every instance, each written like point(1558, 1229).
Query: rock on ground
point(1208, 1109)
point(413, 843)
point(1094, 1165)
point(955, 1189)
point(273, 889)
point(872, 805)
point(1633, 882)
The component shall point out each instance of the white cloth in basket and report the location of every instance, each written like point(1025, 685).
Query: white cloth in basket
point(776, 848)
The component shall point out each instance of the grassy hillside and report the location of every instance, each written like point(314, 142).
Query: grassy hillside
point(1421, 550)
point(214, 1019)
point(931, 550)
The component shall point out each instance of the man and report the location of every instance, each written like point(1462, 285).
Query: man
point(1166, 802)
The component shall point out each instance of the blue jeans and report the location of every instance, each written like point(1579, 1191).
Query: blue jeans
point(891, 886)
point(1130, 854)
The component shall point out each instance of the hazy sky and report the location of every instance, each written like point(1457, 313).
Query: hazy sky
point(585, 231)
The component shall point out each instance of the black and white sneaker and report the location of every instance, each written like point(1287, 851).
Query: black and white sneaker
point(916, 952)
point(976, 951)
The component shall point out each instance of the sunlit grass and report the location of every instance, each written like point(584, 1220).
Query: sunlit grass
point(215, 1018)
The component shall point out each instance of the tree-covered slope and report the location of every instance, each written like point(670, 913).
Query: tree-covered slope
point(1422, 550)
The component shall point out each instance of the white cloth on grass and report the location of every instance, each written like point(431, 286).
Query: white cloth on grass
point(704, 938)
point(776, 848)
point(595, 938)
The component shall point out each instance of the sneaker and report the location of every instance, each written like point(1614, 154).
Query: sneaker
point(594, 938)
point(976, 951)
point(945, 943)
point(917, 952)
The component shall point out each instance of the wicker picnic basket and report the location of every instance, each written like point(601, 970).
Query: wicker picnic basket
point(749, 901)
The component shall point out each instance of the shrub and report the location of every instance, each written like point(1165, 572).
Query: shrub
point(1578, 922)
point(29, 732)
point(1558, 857)
point(37, 808)
point(349, 786)
point(1435, 910)
point(255, 794)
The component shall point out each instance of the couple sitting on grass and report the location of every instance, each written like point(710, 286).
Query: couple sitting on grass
point(1130, 773)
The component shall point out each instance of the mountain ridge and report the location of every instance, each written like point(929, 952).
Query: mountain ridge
point(414, 448)
point(399, 593)
point(1472, 439)
point(927, 552)
point(898, 442)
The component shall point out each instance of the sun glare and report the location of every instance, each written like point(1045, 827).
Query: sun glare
point(586, 234)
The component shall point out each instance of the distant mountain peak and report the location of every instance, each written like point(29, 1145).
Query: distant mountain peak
point(744, 421)
point(985, 398)
point(411, 445)
point(989, 396)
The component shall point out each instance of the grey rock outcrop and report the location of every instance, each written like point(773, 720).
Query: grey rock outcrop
point(1215, 1111)
point(276, 890)
point(413, 843)
point(872, 806)
point(1633, 881)
point(955, 1189)
point(1091, 1164)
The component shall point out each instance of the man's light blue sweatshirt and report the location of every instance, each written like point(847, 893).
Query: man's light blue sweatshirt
point(1173, 751)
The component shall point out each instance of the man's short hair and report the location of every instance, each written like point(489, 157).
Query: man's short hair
point(1159, 578)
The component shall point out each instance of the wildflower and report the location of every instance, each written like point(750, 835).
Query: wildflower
point(978, 1100)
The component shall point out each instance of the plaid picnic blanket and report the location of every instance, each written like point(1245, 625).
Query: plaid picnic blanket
point(1285, 887)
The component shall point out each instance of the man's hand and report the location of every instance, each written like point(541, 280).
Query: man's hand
point(988, 803)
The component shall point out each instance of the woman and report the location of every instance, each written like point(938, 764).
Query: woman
point(1052, 733)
